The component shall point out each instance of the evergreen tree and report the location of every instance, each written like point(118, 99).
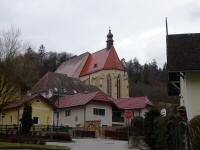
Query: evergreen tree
point(149, 128)
point(27, 118)
point(42, 53)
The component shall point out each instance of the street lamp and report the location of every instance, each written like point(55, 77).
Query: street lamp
point(59, 92)
point(57, 103)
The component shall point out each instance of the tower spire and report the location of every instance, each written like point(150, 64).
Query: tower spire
point(109, 39)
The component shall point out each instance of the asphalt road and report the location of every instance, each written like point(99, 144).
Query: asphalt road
point(94, 144)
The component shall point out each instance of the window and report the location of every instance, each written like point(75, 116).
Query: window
point(95, 65)
point(93, 81)
point(76, 119)
point(37, 100)
point(109, 85)
point(118, 87)
point(99, 112)
point(35, 120)
point(67, 112)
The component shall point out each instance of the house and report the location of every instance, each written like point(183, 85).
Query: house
point(81, 109)
point(102, 69)
point(183, 64)
point(56, 84)
point(137, 105)
point(42, 111)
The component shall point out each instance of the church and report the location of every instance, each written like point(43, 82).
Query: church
point(102, 69)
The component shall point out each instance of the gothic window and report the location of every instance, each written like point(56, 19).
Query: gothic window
point(118, 87)
point(109, 85)
point(93, 81)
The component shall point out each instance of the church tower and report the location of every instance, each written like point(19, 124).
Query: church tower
point(109, 40)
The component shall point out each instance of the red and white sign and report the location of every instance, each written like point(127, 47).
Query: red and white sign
point(128, 114)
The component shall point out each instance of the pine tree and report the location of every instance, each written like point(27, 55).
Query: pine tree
point(27, 119)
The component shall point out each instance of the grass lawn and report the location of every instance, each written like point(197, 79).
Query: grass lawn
point(6, 145)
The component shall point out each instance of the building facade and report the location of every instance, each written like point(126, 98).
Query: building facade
point(79, 109)
point(183, 64)
point(42, 111)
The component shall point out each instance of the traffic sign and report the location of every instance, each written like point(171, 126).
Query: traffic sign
point(128, 114)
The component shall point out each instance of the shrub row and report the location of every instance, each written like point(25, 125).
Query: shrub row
point(37, 138)
point(58, 135)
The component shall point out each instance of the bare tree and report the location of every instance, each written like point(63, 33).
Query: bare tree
point(10, 43)
point(9, 91)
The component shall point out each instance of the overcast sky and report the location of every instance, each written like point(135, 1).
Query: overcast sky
point(77, 26)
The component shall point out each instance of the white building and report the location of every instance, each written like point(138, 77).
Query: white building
point(183, 63)
point(79, 109)
point(98, 109)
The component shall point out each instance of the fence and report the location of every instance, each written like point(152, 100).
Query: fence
point(35, 128)
point(84, 133)
point(116, 135)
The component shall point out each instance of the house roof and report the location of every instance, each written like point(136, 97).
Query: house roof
point(102, 60)
point(183, 52)
point(53, 80)
point(72, 65)
point(133, 103)
point(81, 99)
point(25, 99)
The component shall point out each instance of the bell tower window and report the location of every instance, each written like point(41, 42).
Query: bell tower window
point(118, 86)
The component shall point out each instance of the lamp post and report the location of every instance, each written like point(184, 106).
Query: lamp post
point(56, 90)
point(59, 92)
point(128, 116)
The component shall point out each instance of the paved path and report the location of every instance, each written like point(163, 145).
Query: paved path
point(94, 144)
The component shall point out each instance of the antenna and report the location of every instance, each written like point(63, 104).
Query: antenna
point(166, 26)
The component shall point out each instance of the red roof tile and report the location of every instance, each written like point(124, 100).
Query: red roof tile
point(80, 99)
point(103, 59)
point(133, 102)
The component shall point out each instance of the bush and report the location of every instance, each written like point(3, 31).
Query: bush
point(23, 139)
point(149, 130)
point(137, 126)
point(161, 133)
point(194, 127)
point(58, 135)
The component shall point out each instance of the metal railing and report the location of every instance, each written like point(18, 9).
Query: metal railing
point(7, 128)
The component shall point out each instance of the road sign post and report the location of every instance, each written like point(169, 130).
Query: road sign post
point(128, 115)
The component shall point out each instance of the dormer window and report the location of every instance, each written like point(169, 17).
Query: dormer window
point(95, 65)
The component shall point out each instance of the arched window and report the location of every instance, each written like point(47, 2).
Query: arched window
point(93, 81)
point(118, 86)
point(109, 85)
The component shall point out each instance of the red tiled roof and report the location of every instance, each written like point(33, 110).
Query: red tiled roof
point(80, 99)
point(103, 59)
point(133, 102)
